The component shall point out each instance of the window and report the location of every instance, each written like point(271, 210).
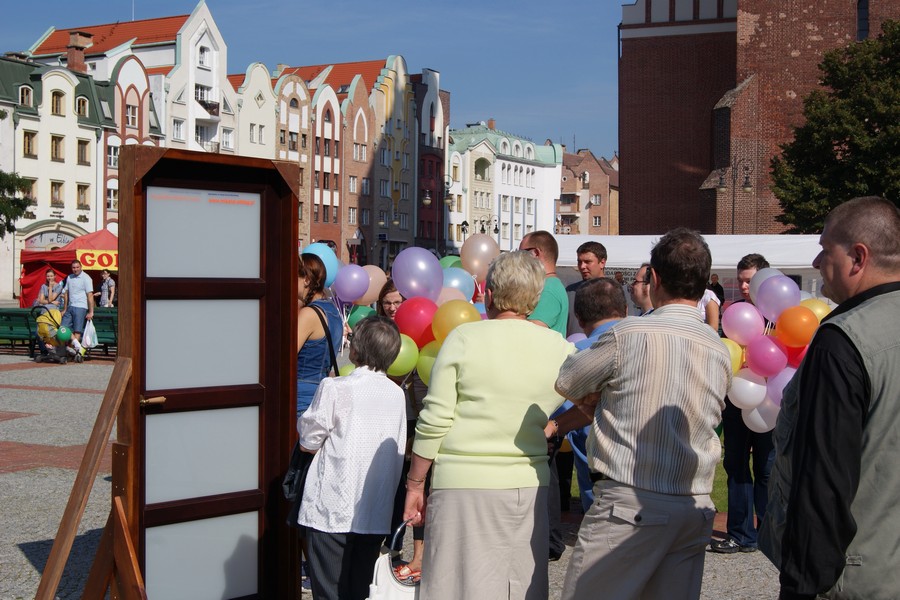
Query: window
point(202, 93)
point(204, 57)
point(325, 213)
point(300, 210)
point(83, 199)
point(596, 199)
point(57, 146)
point(292, 145)
point(862, 20)
point(382, 218)
point(326, 183)
point(29, 144)
point(406, 161)
point(328, 115)
point(366, 186)
point(337, 180)
point(294, 103)
point(131, 115)
point(504, 203)
point(316, 213)
point(337, 149)
point(351, 215)
point(404, 221)
point(383, 188)
point(84, 152)
point(404, 191)
point(57, 103)
point(261, 136)
point(316, 181)
point(228, 138)
point(81, 107)
point(112, 199)
point(282, 137)
point(252, 133)
point(335, 213)
point(529, 206)
point(355, 151)
point(56, 194)
point(597, 221)
point(363, 152)
point(327, 147)
point(318, 144)
point(455, 172)
point(518, 205)
point(303, 141)
point(365, 215)
point(177, 129)
point(385, 156)
point(25, 96)
point(353, 184)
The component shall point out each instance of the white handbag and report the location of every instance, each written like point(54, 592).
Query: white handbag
point(385, 585)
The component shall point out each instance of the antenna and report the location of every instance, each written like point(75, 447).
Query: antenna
point(132, 10)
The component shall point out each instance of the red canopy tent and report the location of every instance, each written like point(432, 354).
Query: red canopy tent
point(96, 251)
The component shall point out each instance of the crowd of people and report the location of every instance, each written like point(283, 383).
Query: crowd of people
point(470, 459)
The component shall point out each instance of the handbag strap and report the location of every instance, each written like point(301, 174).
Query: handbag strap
point(321, 314)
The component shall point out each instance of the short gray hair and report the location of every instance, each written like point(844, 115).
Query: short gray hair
point(871, 221)
point(375, 342)
point(516, 280)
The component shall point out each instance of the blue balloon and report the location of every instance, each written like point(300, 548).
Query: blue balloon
point(329, 258)
point(460, 279)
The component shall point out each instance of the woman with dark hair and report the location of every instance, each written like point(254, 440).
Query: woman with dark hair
point(313, 356)
point(389, 300)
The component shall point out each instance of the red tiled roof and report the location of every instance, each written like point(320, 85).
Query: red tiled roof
point(107, 37)
point(160, 70)
point(236, 80)
point(341, 74)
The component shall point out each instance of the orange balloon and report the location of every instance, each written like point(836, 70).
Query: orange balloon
point(795, 326)
point(451, 314)
point(818, 307)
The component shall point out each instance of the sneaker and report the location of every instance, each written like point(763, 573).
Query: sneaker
point(70, 350)
point(79, 358)
point(729, 546)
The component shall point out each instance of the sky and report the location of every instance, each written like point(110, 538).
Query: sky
point(542, 70)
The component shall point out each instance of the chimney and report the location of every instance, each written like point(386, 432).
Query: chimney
point(492, 124)
point(78, 42)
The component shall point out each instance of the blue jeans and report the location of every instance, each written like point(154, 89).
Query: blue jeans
point(746, 490)
point(74, 319)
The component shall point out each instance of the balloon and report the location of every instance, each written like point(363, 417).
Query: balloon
point(329, 258)
point(795, 355)
point(747, 390)
point(804, 296)
point(450, 261)
point(346, 369)
point(64, 334)
point(736, 353)
point(758, 278)
point(426, 361)
point(796, 326)
point(417, 272)
point(406, 359)
point(742, 323)
point(479, 306)
point(351, 283)
point(459, 279)
point(451, 315)
point(819, 308)
point(765, 357)
point(377, 279)
point(577, 337)
point(448, 294)
point(775, 295)
point(477, 253)
point(414, 319)
point(775, 385)
point(358, 313)
point(762, 418)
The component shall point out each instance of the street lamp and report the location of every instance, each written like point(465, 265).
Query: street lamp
point(465, 229)
point(745, 165)
point(485, 221)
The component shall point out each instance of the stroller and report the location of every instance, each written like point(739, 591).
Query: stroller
point(385, 585)
point(52, 336)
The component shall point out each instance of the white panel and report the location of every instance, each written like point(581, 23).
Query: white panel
point(202, 233)
point(201, 343)
point(659, 11)
point(201, 453)
point(709, 9)
point(633, 13)
point(684, 10)
point(294, 122)
point(209, 559)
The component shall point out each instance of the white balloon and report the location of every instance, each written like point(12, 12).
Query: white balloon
point(758, 278)
point(747, 390)
point(762, 418)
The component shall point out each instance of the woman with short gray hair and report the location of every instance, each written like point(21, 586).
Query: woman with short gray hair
point(482, 427)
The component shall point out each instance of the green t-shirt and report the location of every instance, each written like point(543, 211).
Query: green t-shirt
point(553, 307)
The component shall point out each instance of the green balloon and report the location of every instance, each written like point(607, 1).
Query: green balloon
point(346, 369)
point(358, 313)
point(450, 261)
point(407, 358)
point(64, 334)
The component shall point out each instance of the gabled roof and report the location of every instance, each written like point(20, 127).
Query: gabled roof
point(337, 75)
point(109, 36)
point(236, 80)
point(159, 70)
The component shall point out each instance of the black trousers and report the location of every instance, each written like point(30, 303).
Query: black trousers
point(341, 564)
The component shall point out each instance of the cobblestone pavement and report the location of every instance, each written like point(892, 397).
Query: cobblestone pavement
point(46, 416)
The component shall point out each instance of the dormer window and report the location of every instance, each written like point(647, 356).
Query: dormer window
point(81, 107)
point(57, 103)
point(25, 96)
point(204, 58)
point(294, 103)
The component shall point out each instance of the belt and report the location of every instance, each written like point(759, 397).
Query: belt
point(595, 477)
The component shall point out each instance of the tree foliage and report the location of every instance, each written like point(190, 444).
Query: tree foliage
point(13, 200)
point(850, 143)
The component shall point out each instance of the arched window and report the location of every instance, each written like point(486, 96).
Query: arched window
point(328, 115)
point(25, 96)
point(57, 103)
point(81, 107)
point(294, 103)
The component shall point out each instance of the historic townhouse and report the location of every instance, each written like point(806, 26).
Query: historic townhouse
point(435, 198)
point(587, 202)
point(359, 124)
point(256, 111)
point(509, 185)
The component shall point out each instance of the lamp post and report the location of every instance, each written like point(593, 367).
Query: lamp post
point(465, 229)
point(745, 165)
point(485, 221)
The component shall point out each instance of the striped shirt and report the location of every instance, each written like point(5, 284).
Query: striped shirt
point(662, 380)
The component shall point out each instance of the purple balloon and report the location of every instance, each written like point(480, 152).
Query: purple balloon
point(775, 385)
point(775, 295)
point(765, 357)
point(576, 337)
point(742, 323)
point(351, 283)
point(417, 272)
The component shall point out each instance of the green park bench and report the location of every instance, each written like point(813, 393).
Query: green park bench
point(18, 329)
point(106, 322)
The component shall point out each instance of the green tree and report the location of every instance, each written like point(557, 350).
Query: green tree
point(12, 206)
point(850, 143)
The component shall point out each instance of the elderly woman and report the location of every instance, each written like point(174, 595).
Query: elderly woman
point(356, 426)
point(482, 427)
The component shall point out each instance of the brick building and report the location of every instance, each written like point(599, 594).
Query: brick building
point(708, 90)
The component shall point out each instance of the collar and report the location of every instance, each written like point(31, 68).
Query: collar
point(851, 303)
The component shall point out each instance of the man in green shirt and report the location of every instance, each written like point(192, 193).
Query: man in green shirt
point(553, 308)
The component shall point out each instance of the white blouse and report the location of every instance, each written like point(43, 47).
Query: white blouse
point(358, 425)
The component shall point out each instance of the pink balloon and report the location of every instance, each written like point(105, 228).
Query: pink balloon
point(747, 389)
point(775, 385)
point(377, 279)
point(742, 323)
point(775, 295)
point(765, 357)
point(417, 272)
point(477, 253)
point(448, 294)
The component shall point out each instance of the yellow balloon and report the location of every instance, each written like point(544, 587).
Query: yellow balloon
point(346, 369)
point(406, 359)
point(819, 308)
point(736, 352)
point(427, 355)
point(451, 314)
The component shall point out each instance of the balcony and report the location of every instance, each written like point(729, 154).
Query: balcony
point(212, 108)
point(208, 146)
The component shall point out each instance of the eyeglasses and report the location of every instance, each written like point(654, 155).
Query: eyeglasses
point(389, 304)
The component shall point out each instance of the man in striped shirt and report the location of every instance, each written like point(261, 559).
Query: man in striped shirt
point(657, 385)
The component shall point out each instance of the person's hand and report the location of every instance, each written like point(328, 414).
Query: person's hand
point(90, 315)
point(414, 508)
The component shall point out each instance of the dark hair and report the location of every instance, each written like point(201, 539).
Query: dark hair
point(682, 261)
point(595, 248)
point(871, 221)
point(546, 242)
point(599, 299)
point(386, 289)
point(48, 271)
point(753, 261)
point(106, 271)
point(375, 343)
point(76, 261)
point(312, 268)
